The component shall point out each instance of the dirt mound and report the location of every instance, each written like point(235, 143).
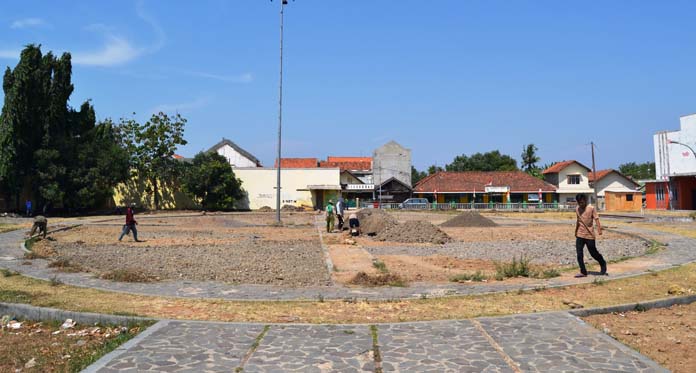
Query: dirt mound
point(414, 231)
point(375, 221)
point(469, 219)
point(265, 209)
point(384, 279)
point(291, 208)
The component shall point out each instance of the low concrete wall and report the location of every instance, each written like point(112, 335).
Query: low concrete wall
point(42, 313)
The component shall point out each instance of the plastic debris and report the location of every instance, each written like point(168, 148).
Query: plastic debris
point(68, 324)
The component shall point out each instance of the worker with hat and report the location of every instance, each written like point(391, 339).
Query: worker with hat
point(330, 217)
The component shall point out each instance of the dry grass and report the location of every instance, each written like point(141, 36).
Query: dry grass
point(652, 286)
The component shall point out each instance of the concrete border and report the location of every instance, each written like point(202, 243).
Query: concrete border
point(658, 303)
point(44, 313)
point(120, 350)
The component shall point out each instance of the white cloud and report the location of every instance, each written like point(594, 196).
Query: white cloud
point(241, 78)
point(116, 51)
point(159, 32)
point(27, 22)
point(182, 107)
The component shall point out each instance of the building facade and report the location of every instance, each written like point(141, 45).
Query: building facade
point(234, 154)
point(616, 192)
point(570, 178)
point(675, 167)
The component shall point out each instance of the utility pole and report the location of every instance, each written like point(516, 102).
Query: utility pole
point(280, 111)
point(594, 173)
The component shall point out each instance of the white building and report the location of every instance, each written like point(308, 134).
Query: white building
point(237, 156)
point(570, 178)
point(614, 182)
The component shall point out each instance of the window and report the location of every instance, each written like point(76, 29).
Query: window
point(659, 192)
point(629, 197)
point(574, 179)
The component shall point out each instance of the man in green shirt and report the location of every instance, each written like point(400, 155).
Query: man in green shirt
point(330, 217)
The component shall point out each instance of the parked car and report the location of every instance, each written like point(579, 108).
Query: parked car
point(414, 203)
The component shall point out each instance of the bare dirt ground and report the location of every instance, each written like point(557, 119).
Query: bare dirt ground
point(667, 335)
point(238, 248)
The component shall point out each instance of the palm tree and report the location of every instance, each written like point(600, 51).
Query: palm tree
point(529, 158)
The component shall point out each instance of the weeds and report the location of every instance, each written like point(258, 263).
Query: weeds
point(375, 349)
point(384, 279)
point(598, 281)
point(477, 276)
point(126, 275)
point(653, 248)
point(517, 268)
point(380, 266)
point(64, 265)
point(548, 273)
point(8, 273)
point(55, 281)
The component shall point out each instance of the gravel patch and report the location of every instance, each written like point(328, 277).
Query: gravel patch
point(559, 252)
point(292, 262)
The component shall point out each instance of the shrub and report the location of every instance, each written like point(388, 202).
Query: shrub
point(477, 276)
point(126, 275)
point(517, 268)
point(384, 279)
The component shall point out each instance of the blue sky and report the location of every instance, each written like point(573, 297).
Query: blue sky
point(440, 77)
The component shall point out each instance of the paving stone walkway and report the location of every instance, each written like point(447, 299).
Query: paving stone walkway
point(680, 250)
point(548, 342)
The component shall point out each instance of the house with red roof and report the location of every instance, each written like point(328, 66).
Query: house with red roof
point(484, 187)
point(615, 191)
point(570, 178)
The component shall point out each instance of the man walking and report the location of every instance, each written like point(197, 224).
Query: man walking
point(329, 217)
point(130, 224)
point(585, 236)
point(340, 208)
point(28, 206)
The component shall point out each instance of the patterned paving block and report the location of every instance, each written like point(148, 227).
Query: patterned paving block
point(189, 347)
point(316, 348)
point(559, 342)
point(451, 346)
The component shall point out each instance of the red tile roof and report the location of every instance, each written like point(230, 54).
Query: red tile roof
point(558, 166)
point(346, 165)
point(348, 159)
point(603, 173)
point(470, 181)
point(297, 163)
point(177, 156)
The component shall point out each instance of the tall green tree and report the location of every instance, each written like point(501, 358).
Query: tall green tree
point(416, 175)
point(151, 146)
point(433, 169)
point(490, 161)
point(210, 179)
point(44, 142)
point(529, 158)
point(638, 171)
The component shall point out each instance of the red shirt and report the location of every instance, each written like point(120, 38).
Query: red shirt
point(129, 217)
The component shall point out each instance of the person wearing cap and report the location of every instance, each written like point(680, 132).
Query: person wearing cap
point(330, 217)
point(130, 224)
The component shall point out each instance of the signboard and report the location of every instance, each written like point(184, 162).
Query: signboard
point(360, 186)
point(497, 189)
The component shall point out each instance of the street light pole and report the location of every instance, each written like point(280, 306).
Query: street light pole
point(681, 143)
point(280, 111)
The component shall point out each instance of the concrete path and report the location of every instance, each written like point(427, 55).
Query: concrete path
point(680, 250)
point(546, 342)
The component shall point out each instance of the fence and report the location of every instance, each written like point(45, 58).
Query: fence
point(470, 206)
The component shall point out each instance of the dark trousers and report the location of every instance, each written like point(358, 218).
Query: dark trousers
point(41, 227)
point(127, 228)
point(592, 248)
point(340, 222)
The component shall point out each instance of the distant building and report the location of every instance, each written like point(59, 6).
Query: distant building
point(616, 192)
point(484, 187)
point(570, 178)
point(297, 163)
point(237, 156)
point(675, 168)
point(390, 162)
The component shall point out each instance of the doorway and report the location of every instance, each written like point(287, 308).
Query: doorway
point(319, 204)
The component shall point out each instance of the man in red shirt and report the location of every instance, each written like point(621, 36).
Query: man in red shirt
point(585, 235)
point(130, 224)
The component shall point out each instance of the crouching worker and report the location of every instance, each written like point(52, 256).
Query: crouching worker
point(130, 224)
point(40, 223)
point(354, 224)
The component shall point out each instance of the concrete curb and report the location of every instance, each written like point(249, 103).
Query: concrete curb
point(327, 256)
point(658, 303)
point(106, 359)
point(43, 313)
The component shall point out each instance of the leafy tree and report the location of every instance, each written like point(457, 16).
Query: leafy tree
point(44, 142)
point(433, 169)
point(151, 147)
point(416, 175)
point(529, 158)
point(638, 171)
point(210, 179)
point(490, 161)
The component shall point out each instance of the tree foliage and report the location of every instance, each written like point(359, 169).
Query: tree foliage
point(529, 158)
point(490, 161)
point(417, 176)
point(56, 154)
point(151, 147)
point(638, 171)
point(210, 179)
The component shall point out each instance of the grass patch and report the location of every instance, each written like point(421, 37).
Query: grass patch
point(375, 349)
point(82, 361)
point(380, 266)
point(383, 279)
point(654, 247)
point(8, 227)
point(8, 273)
point(15, 296)
point(477, 276)
point(516, 268)
point(548, 273)
point(126, 275)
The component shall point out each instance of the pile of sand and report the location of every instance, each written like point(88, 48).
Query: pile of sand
point(265, 209)
point(375, 221)
point(414, 232)
point(469, 219)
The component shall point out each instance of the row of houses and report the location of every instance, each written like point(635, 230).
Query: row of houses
point(385, 177)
